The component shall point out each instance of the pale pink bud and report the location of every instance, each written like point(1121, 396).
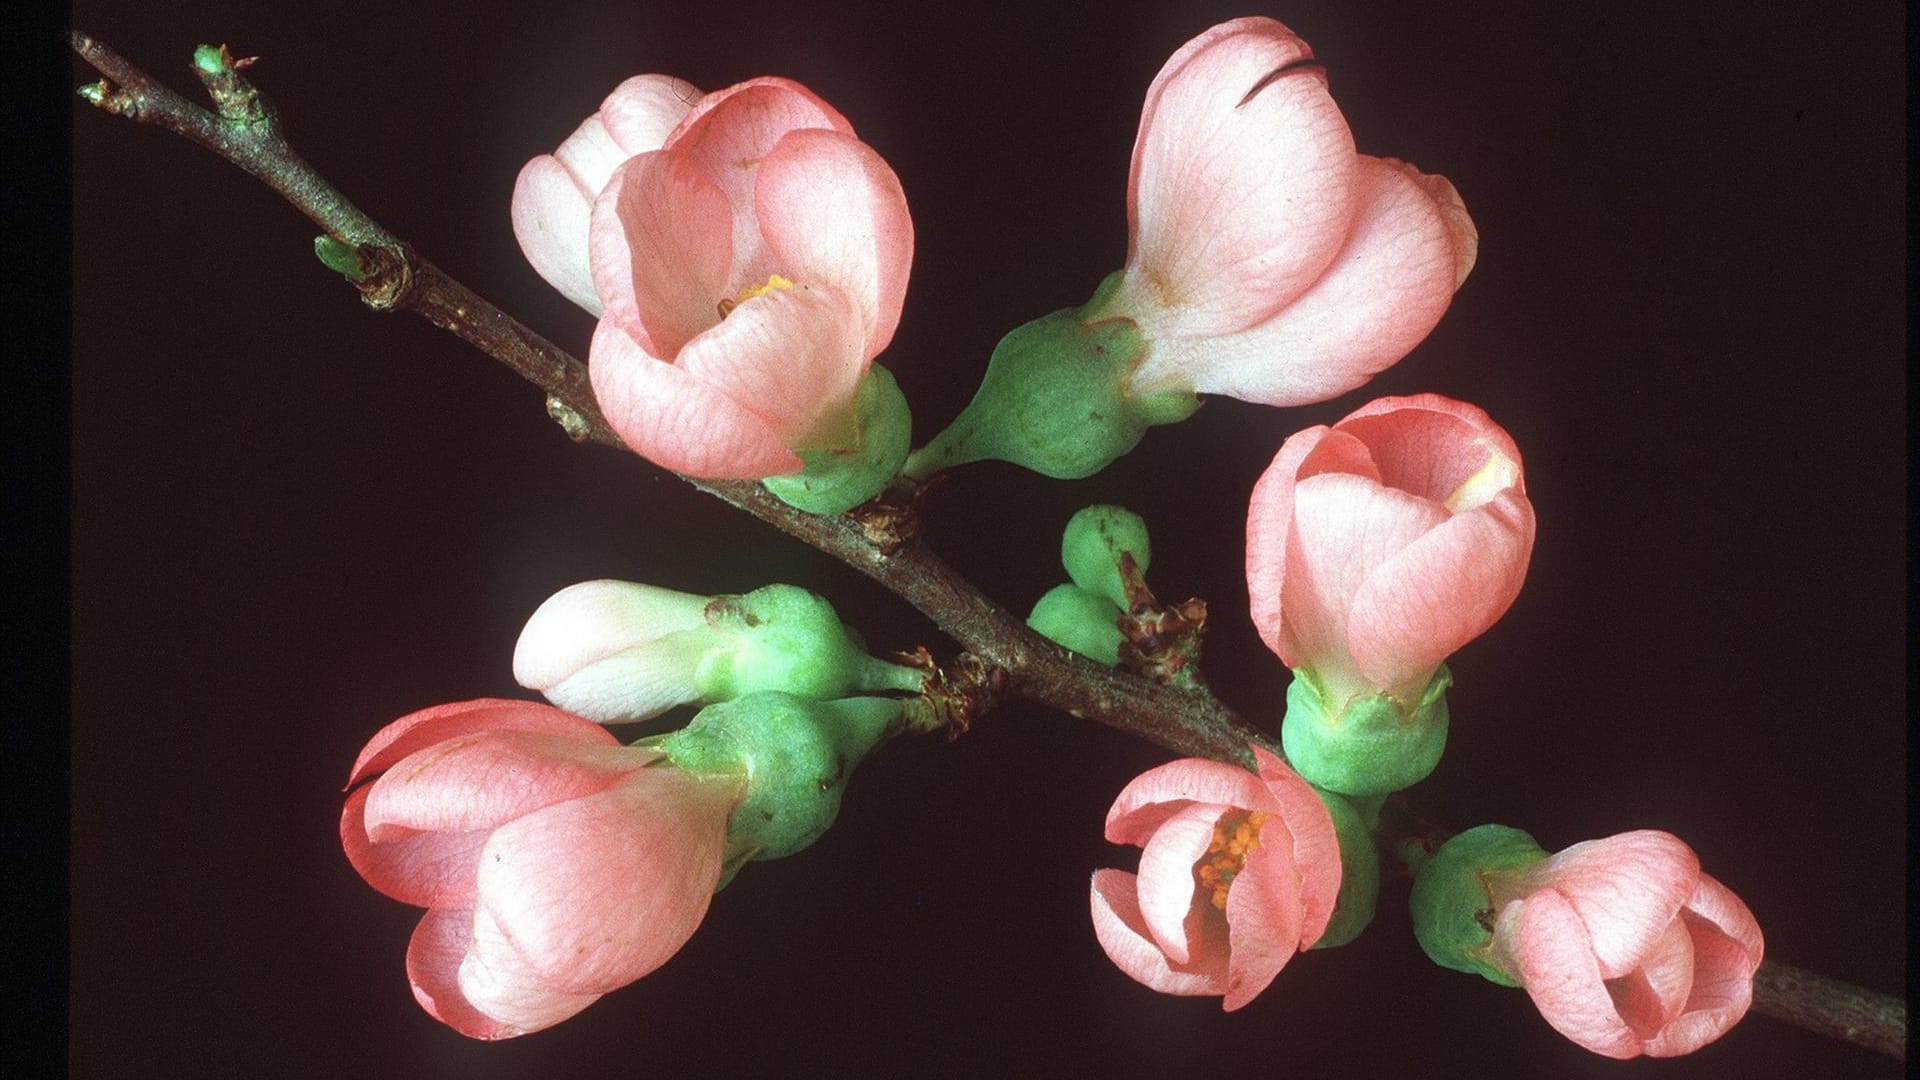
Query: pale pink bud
point(615, 651)
point(1379, 546)
point(748, 255)
point(1626, 947)
point(553, 196)
point(1237, 873)
point(555, 864)
point(1267, 260)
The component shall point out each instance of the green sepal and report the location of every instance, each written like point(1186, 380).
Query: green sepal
point(796, 756)
point(1452, 903)
point(1085, 622)
point(1371, 746)
point(1091, 546)
point(782, 637)
point(1053, 400)
point(838, 479)
point(1359, 873)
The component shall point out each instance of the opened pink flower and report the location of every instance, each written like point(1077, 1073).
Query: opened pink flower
point(748, 256)
point(1380, 545)
point(1237, 873)
point(555, 864)
point(1626, 947)
point(1267, 260)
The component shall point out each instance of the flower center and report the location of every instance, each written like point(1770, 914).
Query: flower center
point(1234, 835)
point(1497, 475)
point(774, 282)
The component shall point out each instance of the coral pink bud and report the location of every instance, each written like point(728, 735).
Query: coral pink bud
point(555, 865)
point(1626, 947)
point(749, 257)
point(1237, 873)
point(1377, 547)
point(1267, 260)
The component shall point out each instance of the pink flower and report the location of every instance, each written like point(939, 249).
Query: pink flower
point(1237, 873)
point(1377, 547)
point(1626, 947)
point(749, 258)
point(555, 865)
point(1267, 260)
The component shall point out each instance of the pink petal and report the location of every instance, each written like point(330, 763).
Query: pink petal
point(481, 780)
point(438, 945)
point(832, 211)
point(550, 215)
point(792, 357)
point(1269, 522)
point(1549, 944)
point(1715, 905)
point(1241, 188)
point(419, 868)
point(1169, 902)
point(1431, 445)
point(642, 111)
point(594, 893)
point(418, 730)
point(662, 251)
point(476, 1002)
point(1315, 843)
point(1651, 995)
point(1264, 915)
point(1723, 967)
point(1626, 889)
point(592, 620)
point(1439, 592)
point(678, 421)
point(501, 984)
point(1344, 528)
point(1379, 298)
point(1121, 930)
point(1165, 790)
point(729, 136)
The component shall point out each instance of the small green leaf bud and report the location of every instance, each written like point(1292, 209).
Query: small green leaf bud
point(1082, 621)
point(1091, 547)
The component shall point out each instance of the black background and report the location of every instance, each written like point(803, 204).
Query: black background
point(295, 520)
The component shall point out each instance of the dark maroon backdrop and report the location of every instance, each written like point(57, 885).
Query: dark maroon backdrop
point(295, 520)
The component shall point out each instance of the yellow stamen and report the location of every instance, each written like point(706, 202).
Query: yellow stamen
point(1235, 835)
point(1495, 476)
point(774, 282)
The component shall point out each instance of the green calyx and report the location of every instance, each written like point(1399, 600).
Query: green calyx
point(1359, 873)
point(1054, 400)
point(796, 756)
point(1370, 745)
point(782, 637)
point(837, 479)
point(1083, 621)
point(1452, 898)
point(1092, 546)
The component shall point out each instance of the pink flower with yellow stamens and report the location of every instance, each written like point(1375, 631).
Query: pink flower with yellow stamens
point(1238, 872)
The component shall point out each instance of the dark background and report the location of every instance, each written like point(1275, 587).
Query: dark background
point(295, 520)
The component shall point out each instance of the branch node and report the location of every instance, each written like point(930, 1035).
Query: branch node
point(570, 421)
point(233, 95)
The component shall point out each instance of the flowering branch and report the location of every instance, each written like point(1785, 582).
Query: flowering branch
point(1002, 655)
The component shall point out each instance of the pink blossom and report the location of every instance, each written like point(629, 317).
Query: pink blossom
point(1626, 947)
point(555, 864)
point(1237, 873)
point(748, 256)
point(1377, 547)
point(1267, 260)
